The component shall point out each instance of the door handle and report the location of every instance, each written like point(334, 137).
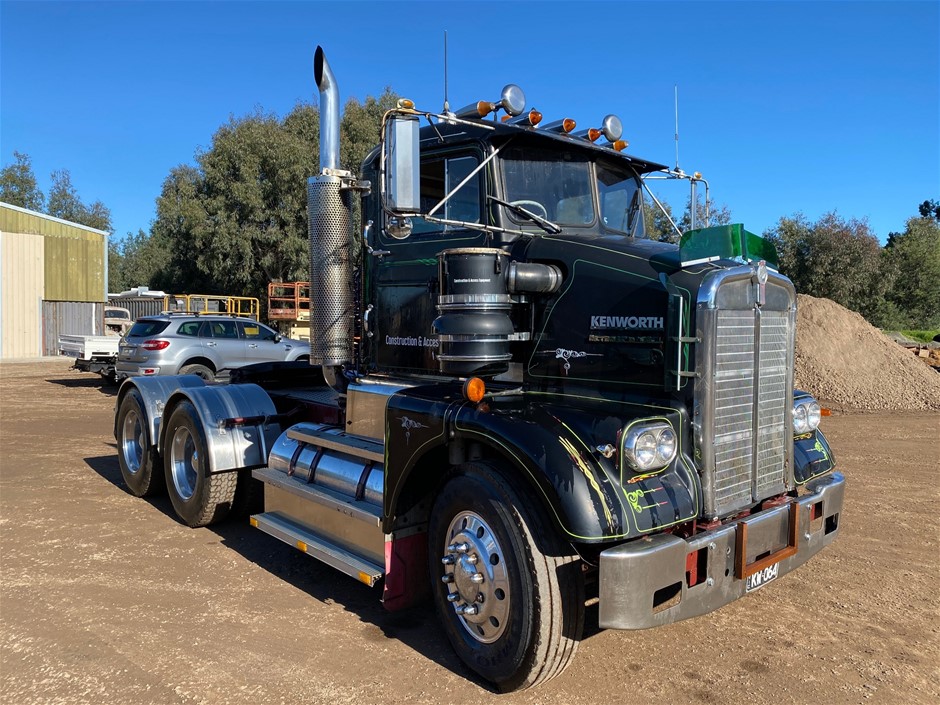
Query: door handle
point(211, 345)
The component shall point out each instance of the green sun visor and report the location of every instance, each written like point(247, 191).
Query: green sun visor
point(725, 242)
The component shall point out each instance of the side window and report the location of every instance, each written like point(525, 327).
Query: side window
point(255, 331)
point(440, 177)
point(224, 329)
point(189, 328)
point(205, 329)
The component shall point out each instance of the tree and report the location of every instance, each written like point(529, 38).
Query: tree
point(65, 203)
point(238, 219)
point(832, 258)
point(717, 214)
point(18, 184)
point(914, 258)
point(658, 226)
point(138, 260)
point(930, 209)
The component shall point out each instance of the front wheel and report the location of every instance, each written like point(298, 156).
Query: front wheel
point(509, 591)
point(199, 498)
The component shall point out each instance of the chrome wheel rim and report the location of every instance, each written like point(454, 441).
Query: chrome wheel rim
point(476, 576)
point(132, 442)
point(184, 463)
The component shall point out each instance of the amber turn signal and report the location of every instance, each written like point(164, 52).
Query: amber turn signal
point(474, 389)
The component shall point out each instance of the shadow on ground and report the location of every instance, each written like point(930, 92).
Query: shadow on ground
point(91, 382)
point(416, 627)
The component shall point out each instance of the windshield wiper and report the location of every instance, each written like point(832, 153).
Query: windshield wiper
point(546, 225)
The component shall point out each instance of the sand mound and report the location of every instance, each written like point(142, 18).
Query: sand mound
point(843, 360)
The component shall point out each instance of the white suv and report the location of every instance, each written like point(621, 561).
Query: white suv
point(188, 344)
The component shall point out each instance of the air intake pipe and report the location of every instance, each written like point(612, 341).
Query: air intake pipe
point(329, 214)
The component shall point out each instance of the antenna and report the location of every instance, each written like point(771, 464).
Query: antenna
point(446, 104)
point(676, 87)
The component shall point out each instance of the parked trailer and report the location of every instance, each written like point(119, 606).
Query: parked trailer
point(517, 402)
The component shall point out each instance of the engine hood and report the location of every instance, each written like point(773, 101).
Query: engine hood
point(617, 320)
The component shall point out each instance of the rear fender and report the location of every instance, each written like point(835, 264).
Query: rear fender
point(154, 392)
point(232, 445)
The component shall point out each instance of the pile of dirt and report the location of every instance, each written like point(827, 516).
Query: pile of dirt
point(844, 361)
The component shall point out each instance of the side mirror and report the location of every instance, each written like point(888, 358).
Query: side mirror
point(402, 164)
point(278, 338)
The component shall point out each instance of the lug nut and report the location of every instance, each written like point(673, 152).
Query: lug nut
point(453, 596)
point(476, 578)
point(472, 558)
point(448, 560)
point(458, 548)
point(447, 578)
point(466, 609)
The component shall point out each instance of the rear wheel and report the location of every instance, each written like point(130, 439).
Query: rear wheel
point(199, 498)
point(137, 456)
point(198, 370)
point(509, 591)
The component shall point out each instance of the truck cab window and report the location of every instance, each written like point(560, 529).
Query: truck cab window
point(553, 184)
point(621, 200)
point(439, 177)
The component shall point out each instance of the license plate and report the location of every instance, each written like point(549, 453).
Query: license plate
point(762, 577)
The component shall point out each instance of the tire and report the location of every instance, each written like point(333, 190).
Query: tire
point(528, 625)
point(198, 370)
point(199, 498)
point(137, 456)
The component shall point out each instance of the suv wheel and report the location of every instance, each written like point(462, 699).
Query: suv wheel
point(199, 371)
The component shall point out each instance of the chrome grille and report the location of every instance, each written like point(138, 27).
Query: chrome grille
point(743, 391)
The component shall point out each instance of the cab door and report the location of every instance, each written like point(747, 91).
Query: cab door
point(406, 278)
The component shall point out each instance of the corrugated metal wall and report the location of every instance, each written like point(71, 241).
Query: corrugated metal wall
point(21, 294)
point(69, 318)
point(138, 305)
point(75, 267)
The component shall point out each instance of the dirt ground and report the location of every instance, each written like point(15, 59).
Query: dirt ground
point(105, 598)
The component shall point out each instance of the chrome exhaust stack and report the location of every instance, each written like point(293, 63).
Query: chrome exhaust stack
point(329, 218)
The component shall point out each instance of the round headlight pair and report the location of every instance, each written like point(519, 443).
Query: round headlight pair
point(650, 446)
point(806, 415)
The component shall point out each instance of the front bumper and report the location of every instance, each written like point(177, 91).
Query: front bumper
point(644, 583)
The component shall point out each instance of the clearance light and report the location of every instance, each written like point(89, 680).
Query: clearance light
point(619, 145)
point(593, 134)
point(564, 126)
point(529, 119)
point(474, 389)
point(697, 175)
point(405, 104)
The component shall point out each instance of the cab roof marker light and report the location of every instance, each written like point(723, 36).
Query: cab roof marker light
point(564, 126)
point(618, 145)
point(529, 119)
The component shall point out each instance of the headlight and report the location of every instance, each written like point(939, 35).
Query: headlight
point(806, 415)
point(650, 446)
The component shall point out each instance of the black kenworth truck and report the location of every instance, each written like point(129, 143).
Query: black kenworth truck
point(516, 403)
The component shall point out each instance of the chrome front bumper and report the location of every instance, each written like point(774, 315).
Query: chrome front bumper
point(644, 583)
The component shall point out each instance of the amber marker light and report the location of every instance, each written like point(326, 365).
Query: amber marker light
point(825, 412)
point(406, 104)
point(474, 389)
point(697, 175)
point(535, 117)
point(619, 145)
point(594, 134)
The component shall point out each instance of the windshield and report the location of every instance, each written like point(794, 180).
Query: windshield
point(552, 184)
point(558, 186)
point(621, 199)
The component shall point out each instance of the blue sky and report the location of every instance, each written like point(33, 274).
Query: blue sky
point(783, 106)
